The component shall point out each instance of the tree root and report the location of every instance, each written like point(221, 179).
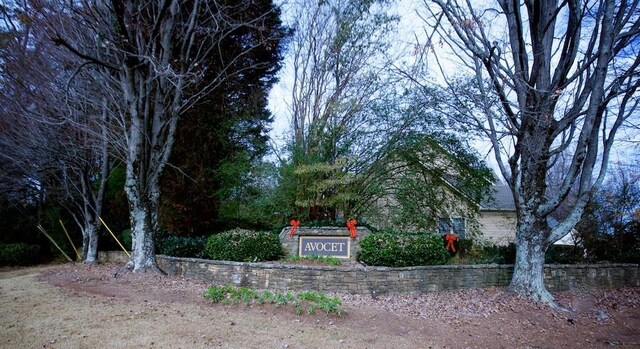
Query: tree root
point(146, 268)
point(126, 269)
point(536, 294)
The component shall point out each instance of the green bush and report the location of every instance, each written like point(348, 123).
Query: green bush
point(562, 254)
point(463, 246)
point(19, 254)
point(493, 254)
point(471, 253)
point(182, 246)
point(501, 254)
point(126, 239)
point(557, 254)
point(402, 250)
point(244, 246)
point(617, 248)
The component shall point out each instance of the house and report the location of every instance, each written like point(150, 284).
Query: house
point(497, 219)
point(497, 216)
point(422, 187)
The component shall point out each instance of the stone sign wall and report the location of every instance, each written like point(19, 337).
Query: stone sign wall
point(323, 241)
point(334, 246)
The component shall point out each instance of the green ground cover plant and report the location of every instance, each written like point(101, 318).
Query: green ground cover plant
point(304, 302)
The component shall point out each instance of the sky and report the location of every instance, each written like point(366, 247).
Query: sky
point(410, 27)
point(280, 94)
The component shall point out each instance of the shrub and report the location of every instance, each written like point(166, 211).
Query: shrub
point(484, 253)
point(182, 246)
point(616, 248)
point(127, 240)
point(562, 254)
point(402, 250)
point(19, 254)
point(500, 254)
point(244, 246)
point(463, 246)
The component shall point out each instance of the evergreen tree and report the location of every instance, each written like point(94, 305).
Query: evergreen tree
point(219, 140)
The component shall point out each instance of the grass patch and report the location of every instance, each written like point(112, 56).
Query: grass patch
point(320, 259)
point(304, 302)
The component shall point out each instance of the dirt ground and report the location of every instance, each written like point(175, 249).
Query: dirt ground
point(82, 306)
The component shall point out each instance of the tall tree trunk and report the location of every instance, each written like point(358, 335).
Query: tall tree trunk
point(144, 218)
point(143, 194)
point(528, 273)
point(90, 243)
point(85, 245)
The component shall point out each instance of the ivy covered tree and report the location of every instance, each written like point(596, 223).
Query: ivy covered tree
point(424, 177)
point(356, 122)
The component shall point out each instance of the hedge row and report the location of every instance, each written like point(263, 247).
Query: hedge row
point(402, 250)
point(379, 249)
point(244, 246)
point(19, 254)
point(182, 246)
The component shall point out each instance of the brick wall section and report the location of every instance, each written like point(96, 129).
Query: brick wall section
point(363, 280)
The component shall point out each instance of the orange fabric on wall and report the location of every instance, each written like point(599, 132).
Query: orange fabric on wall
point(294, 224)
point(351, 224)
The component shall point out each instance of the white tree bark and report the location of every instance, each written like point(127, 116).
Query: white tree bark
point(559, 82)
point(59, 125)
point(154, 58)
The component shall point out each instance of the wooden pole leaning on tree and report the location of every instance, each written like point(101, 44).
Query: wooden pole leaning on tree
point(54, 242)
point(114, 237)
point(71, 241)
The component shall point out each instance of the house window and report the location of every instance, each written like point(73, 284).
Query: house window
point(452, 225)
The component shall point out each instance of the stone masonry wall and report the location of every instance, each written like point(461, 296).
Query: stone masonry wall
point(113, 257)
point(364, 280)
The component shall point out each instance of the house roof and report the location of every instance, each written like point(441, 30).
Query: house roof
point(501, 199)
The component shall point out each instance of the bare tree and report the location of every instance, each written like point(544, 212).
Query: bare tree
point(340, 67)
point(551, 80)
point(154, 58)
point(55, 137)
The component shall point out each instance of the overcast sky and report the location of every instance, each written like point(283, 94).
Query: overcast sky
point(280, 95)
point(409, 27)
